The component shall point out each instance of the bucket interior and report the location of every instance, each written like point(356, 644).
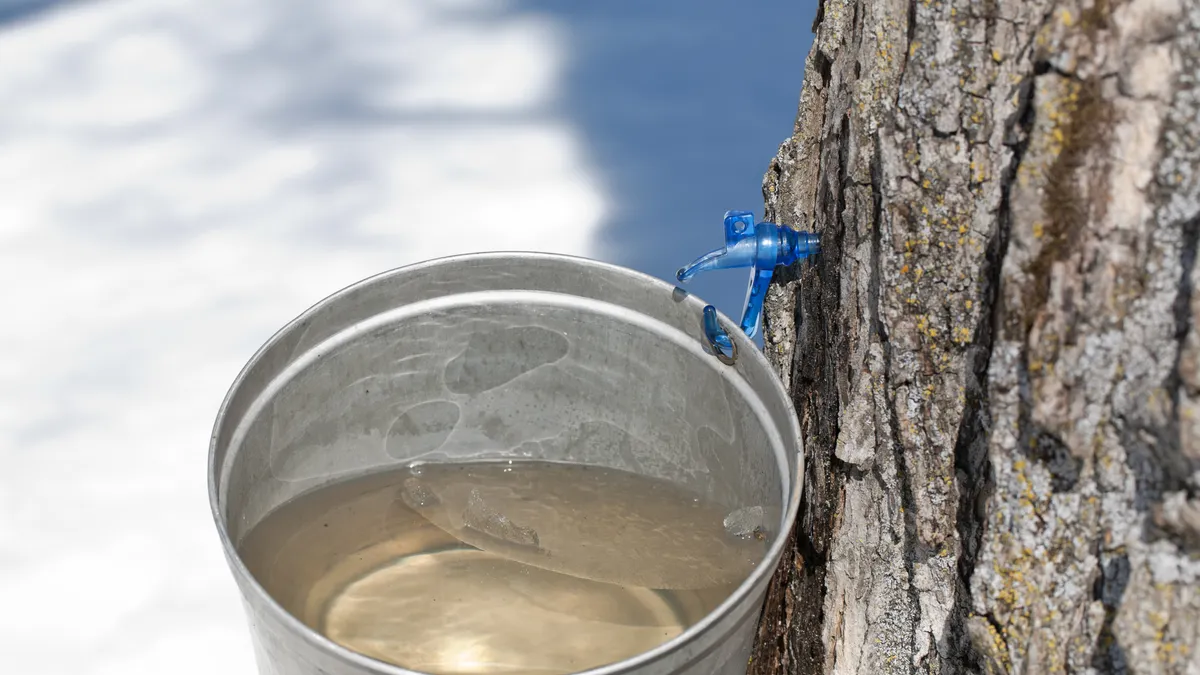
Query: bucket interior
point(546, 359)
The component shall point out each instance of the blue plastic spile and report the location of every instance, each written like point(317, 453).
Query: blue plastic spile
point(760, 246)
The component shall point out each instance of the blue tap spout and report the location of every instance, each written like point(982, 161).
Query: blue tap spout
point(708, 261)
point(759, 246)
point(732, 255)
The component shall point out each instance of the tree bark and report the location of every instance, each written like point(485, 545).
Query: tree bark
point(995, 359)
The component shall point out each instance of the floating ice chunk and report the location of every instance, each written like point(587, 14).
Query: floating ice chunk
point(418, 495)
point(484, 519)
point(745, 522)
point(591, 522)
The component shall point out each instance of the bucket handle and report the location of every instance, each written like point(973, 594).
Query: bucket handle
point(718, 339)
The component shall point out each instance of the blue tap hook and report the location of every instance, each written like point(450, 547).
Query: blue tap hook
point(760, 246)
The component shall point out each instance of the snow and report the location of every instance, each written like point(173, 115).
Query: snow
point(178, 180)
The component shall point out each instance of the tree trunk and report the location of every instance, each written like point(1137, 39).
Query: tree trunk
point(995, 359)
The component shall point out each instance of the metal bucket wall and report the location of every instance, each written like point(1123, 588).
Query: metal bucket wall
point(488, 356)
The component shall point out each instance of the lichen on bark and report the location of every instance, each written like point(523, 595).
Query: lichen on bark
point(995, 359)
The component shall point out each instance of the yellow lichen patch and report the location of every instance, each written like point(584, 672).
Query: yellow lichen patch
point(999, 645)
point(1027, 495)
point(1081, 119)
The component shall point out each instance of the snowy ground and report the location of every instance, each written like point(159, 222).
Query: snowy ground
point(179, 179)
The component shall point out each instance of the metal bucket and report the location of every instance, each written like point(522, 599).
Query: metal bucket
point(482, 354)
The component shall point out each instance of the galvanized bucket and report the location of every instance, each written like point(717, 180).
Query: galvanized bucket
point(490, 351)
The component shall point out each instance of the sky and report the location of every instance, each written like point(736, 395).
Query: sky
point(179, 179)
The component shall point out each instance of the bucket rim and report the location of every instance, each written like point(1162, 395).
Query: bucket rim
point(746, 349)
